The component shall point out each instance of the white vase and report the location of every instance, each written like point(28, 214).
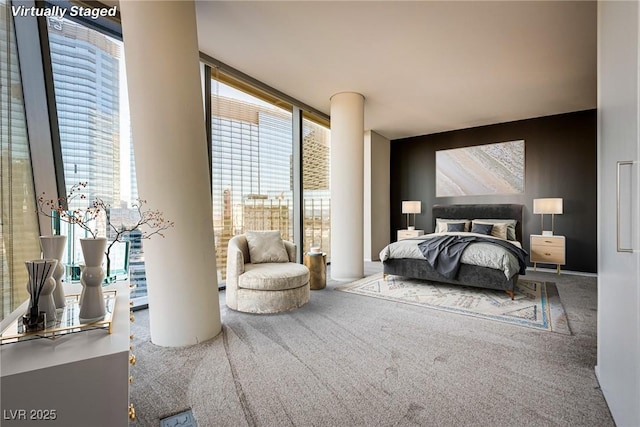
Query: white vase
point(81, 267)
point(92, 308)
point(40, 287)
point(53, 248)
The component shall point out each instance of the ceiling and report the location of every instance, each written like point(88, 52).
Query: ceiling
point(423, 66)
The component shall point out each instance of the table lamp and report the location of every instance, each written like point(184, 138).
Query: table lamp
point(551, 206)
point(411, 207)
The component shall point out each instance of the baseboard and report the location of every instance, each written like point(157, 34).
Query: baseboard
point(554, 271)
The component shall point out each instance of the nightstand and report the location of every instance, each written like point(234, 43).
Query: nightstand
point(547, 250)
point(407, 234)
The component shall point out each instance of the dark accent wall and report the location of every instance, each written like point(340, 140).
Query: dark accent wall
point(560, 161)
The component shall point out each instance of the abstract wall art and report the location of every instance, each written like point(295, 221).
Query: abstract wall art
point(480, 170)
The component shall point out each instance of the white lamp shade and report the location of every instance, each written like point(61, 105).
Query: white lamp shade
point(547, 206)
point(411, 207)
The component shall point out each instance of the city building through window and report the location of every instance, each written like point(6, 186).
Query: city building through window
point(253, 172)
point(95, 136)
point(253, 168)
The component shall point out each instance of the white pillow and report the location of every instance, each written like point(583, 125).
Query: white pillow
point(499, 229)
point(266, 246)
point(441, 224)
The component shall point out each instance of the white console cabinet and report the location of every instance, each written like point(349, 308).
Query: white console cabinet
point(75, 380)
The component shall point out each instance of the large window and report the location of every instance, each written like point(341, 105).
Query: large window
point(316, 149)
point(252, 154)
point(253, 171)
point(18, 223)
point(91, 101)
point(86, 72)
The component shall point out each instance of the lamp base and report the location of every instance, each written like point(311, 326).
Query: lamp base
point(547, 233)
point(411, 227)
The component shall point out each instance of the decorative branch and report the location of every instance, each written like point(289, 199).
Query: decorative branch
point(149, 223)
point(80, 217)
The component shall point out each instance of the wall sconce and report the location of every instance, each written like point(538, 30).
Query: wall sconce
point(547, 206)
point(411, 207)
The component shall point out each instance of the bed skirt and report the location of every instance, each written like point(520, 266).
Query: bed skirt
point(468, 275)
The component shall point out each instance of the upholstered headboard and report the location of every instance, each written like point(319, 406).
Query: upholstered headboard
point(500, 211)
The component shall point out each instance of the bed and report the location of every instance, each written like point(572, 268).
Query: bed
point(407, 257)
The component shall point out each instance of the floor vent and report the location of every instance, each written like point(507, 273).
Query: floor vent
point(183, 419)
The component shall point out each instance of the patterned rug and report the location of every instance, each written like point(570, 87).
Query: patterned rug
point(536, 304)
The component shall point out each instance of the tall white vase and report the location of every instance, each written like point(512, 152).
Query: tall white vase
point(92, 307)
point(41, 285)
point(53, 248)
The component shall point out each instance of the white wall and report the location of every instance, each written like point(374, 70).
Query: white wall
point(618, 368)
point(376, 194)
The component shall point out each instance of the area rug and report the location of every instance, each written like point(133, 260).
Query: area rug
point(536, 303)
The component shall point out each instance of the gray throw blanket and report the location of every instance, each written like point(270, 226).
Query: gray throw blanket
point(443, 253)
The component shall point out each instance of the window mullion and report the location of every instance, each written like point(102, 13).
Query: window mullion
point(298, 214)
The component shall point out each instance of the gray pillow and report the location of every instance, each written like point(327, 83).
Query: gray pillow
point(455, 226)
point(511, 226)
point(266, 246)
point(481, 228)
point(499, 229)
point(441, 224)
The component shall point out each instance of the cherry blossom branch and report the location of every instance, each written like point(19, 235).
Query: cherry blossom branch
point(79, 217)
point(149, 223)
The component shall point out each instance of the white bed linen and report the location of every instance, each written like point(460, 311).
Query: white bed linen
point(480, 254)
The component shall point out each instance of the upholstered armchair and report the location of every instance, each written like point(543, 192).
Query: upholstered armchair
point(273, 282)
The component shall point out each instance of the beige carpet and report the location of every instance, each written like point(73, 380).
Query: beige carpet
point(536, 303)
point(345, 360)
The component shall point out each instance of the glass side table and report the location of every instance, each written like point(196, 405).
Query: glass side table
point(316, 262)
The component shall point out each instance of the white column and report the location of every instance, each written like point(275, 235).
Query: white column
point(162, 60)
point(347, 186)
